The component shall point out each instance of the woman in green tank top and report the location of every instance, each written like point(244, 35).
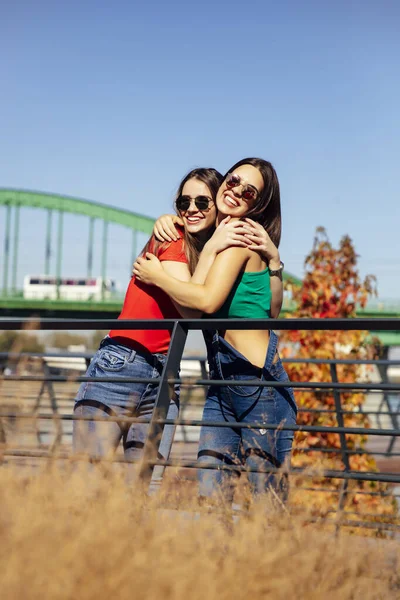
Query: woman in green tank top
point(241, 283)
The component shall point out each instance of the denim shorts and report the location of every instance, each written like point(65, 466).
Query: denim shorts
point(118, 398)
point(116, 361)
point(252, 448)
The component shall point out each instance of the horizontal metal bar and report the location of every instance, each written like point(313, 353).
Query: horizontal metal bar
point(346, 451)
point(356, 324)
point(269, 426)
point(312, 385)
point(57, 417)
point(339, 361)
point(18, 355)
point(360, 514)
point(349, 412)
point(382, 525)
point(359, 524)
point(294, 360)
point(323, 385)
point(199, 423)
point(329, 474)
point(348, 492)
point(80, 379)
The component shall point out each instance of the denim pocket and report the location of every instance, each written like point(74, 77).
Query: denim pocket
point(111, 360)
point(245, 390)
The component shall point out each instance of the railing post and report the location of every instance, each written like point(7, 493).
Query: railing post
point(6, 248)
point(394, 420)
point(383, 369)
point(47, 256)
point(15, 250)
point(164, 395)
point(134, 248)
point(90, 248)
point(342, 437)
point(48, 386)
point(59, 251)
point(204, 374)
point(104, 260)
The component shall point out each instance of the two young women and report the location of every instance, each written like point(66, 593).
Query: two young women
point(238, 282)
point(142, 354)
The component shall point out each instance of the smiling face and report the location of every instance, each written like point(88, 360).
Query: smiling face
point(229, 198)
point(198, 221)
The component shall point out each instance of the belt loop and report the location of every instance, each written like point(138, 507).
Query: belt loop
point(132, 356)
point(104, 341)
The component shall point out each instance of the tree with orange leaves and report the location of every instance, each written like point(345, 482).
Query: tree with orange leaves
point(332, 288)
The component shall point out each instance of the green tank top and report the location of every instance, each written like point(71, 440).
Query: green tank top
point(250, 297)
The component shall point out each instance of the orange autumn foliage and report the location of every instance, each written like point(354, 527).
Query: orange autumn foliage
point(332, 288)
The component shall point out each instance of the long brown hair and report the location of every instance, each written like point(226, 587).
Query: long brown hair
point(267, 209)
point(193, 245)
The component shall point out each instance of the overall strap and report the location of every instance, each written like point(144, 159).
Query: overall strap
point(272, 348)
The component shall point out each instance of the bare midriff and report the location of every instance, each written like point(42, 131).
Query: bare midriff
point(252, 344)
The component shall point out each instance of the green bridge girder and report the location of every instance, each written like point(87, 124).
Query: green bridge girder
point(95, 210)
point(13, 199)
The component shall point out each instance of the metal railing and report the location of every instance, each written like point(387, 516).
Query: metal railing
point(169, 377)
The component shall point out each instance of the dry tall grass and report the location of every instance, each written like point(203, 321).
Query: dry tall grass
point(69, 533)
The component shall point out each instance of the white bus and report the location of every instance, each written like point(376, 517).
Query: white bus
point(44, 287)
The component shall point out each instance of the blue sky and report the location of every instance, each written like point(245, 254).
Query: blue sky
point(115, 102)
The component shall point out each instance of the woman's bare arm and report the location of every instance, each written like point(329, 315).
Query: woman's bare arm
point(180, 272)
point(228, 233)
point(208, 297)
point(276, 290)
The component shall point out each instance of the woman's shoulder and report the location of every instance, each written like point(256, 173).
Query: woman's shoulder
point(234, 255)
point(249, 259)
point(255, 262)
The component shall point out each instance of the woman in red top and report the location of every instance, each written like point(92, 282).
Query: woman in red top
point(142, 353)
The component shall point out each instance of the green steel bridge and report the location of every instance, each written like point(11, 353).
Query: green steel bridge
point(12, 301)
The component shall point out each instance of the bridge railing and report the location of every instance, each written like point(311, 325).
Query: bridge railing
point(169, 377)
point(52, 363)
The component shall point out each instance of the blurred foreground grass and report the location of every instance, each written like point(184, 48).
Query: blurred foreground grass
point(71, 532)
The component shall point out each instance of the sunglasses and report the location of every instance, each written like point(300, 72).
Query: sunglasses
point(249, 192)
point(201, 202)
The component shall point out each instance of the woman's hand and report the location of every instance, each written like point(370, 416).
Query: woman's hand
point(148, 270)
point(261, 242)
point(164, 228)
point(228, 233)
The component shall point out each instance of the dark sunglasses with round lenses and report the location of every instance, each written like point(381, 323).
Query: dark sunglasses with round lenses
point(201, 202)
point(249, 192)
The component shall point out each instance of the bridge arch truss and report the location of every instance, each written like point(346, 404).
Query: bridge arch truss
point(56, 206)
